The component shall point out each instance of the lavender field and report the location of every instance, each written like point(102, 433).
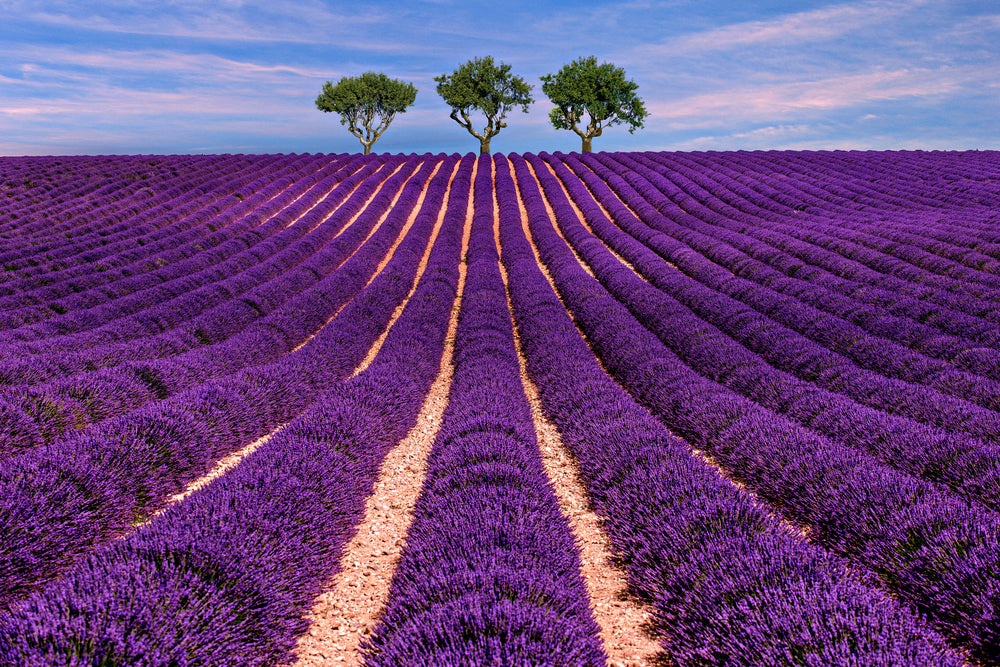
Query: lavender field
point(777, 376)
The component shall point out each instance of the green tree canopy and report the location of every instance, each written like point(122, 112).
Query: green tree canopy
point(600, 91)
point(481, 84)
point(367, 103)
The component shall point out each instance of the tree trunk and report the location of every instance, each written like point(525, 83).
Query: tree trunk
point(368, 148)
point(587, 141)
point(484, 146)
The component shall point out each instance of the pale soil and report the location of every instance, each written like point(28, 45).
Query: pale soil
point(375, 228)
point(222, 466)
point(797, 530)
point(347, 611)
point(337, 185)
point(608, 215)
point(373, 351)
point(586, 225)
point(552, 217)
point(800, 531)
point(622, 618)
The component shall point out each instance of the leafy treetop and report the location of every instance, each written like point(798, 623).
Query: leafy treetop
point(600, 91)
point(482, 84)
point(369, 101)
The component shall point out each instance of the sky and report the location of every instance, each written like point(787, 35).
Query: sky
point(82, 77)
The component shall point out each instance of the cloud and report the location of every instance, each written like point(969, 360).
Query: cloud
point(311, 22)
point(772, 132)
point(808, 26)
point(189, 75)
point(274, 20)
point(786, 99)
point(64, 61)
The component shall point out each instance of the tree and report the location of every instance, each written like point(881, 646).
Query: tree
point(483, 85)
point(364, 100)
point(600, 91)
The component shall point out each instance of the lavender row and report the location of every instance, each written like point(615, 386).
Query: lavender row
point(65, 208)
point(838, 336)
point(975, 229)
point(940, 234)
point(899, 319)
point(853, 265)
point(831, 261)
point(490, 573)
point(793, 196)
point(940, 180)
point(694, 182)
point(682, 317)
point(315, 256)
point(87, 249)
point(30, 184)
point(784, 349)
point(270, 320)
point(724, 577)
point(89, 219)
point(782, 262)
point(53, 213)
point(62, 500)
point(937, 553)
point(924, 230)
point(181, 291)
point(131, 291)
point(217, 196)
point(243, 336)
point(144, 268)
point(228, 574)
point(910, 253)
point(866, 183)
point(907, 317)
point(50, 409)
point(780, 346)
point(850, 193)
point(82, 222)
point(228, 227)
point(166, 233)
point(935, 257)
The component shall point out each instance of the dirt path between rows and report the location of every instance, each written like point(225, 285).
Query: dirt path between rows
point(399, 238)
point(586, 225)
point(798, 530)
point(227, 463)
point(421, 267)
point(623, 619)
point(349, 608)
point(338, 207)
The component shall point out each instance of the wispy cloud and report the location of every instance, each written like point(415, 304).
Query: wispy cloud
point(365, 28)
point(785, 99)
point(185, 75)
point(273, 20)
point(108, 63)
point(817, 24)
point(772, 132)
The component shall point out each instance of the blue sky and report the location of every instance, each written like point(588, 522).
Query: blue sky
point(241, 76)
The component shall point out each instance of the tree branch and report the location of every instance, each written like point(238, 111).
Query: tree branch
point(594, 128)
point(382, 127)
point(467, 124)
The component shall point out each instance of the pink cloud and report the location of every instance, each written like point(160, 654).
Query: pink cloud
point(785, 99)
